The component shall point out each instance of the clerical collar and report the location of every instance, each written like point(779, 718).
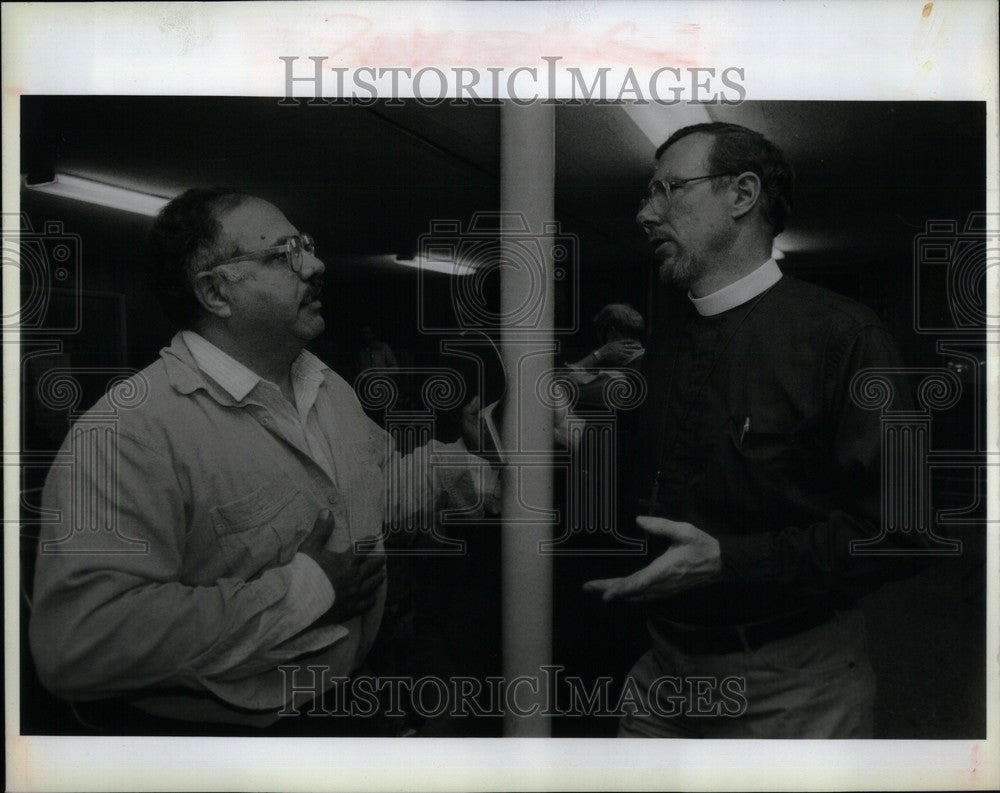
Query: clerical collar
point(738, 292)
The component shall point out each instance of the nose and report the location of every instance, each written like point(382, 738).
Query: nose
point(645, 217)
point(312, 266)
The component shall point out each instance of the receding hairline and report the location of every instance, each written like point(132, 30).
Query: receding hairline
point(229, 204)
point(711, 136)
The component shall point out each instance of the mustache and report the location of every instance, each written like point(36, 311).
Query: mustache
point(315, 289)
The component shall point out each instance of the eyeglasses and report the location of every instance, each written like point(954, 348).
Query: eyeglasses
point(662, 191)
point(292, 248)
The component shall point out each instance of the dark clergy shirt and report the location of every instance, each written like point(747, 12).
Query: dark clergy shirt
point(757, 441)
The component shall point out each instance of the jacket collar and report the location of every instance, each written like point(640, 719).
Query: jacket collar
point(186, 377)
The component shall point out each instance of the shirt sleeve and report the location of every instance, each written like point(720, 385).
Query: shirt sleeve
point(110, 613)
point(820, 557)
point(581, 374)
point(440, 476)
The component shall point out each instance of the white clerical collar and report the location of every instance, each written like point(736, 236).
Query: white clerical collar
point(234, 377)
point(738, 292)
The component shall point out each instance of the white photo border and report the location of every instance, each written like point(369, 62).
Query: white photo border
point(893, 50)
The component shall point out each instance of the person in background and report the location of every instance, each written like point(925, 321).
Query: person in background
point(374, 354)
point(591, 380)
point(620, 329)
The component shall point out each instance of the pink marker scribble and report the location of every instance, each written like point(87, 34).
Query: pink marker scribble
point(351, 40)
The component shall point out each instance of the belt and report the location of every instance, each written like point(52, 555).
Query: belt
point(700, 639)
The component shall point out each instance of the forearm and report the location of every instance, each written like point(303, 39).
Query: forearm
point(822, 557)
point(100, 632)
point(589, 361)
point(107, 621)
point(441, 475)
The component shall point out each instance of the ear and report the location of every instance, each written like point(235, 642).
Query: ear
point(746, 189)
point(211, 289)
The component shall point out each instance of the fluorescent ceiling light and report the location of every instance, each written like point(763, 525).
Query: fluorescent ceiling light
point(808, 241)
point(101, 194)
point(437, 265)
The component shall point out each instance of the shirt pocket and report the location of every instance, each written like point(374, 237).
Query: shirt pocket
point(766, 439)
point(264, 527)
point(767, 466)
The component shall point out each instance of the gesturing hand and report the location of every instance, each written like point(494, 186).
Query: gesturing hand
point(692, 559)
point(618, 353)
point(355, 577)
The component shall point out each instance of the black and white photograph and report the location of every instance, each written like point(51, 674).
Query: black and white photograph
point(645, 407)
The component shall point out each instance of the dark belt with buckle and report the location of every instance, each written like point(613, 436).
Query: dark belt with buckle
point(730, 638)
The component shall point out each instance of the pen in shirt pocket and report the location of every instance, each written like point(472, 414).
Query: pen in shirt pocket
point(744, 431)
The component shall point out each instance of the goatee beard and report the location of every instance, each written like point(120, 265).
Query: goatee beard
point(678, 272)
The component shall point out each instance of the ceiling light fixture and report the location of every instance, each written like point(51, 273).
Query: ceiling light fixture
point(91, 192)
point(436, 265)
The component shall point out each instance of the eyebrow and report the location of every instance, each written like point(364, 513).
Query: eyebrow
point(279, 241)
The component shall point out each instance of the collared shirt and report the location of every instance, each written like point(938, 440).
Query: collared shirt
point(738, 292)
point(171, 555)
point(241, 383)
point(751, 432)
point(302, 425)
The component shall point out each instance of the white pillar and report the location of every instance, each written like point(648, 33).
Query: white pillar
point(527, 189)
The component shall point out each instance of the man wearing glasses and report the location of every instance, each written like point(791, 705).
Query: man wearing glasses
point(757, 471)
point(254, 486)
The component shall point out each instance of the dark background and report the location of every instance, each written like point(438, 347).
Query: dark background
point(367, 182)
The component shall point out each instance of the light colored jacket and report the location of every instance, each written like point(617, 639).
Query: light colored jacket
point(169, 554)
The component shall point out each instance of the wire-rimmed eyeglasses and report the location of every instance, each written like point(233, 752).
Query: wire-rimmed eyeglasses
point(293, 248)
point(660, 190)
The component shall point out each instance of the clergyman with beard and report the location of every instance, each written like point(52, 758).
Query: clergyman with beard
point(757, 471)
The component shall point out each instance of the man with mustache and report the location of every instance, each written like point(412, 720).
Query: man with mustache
point(757, 472)
point(252, 485)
